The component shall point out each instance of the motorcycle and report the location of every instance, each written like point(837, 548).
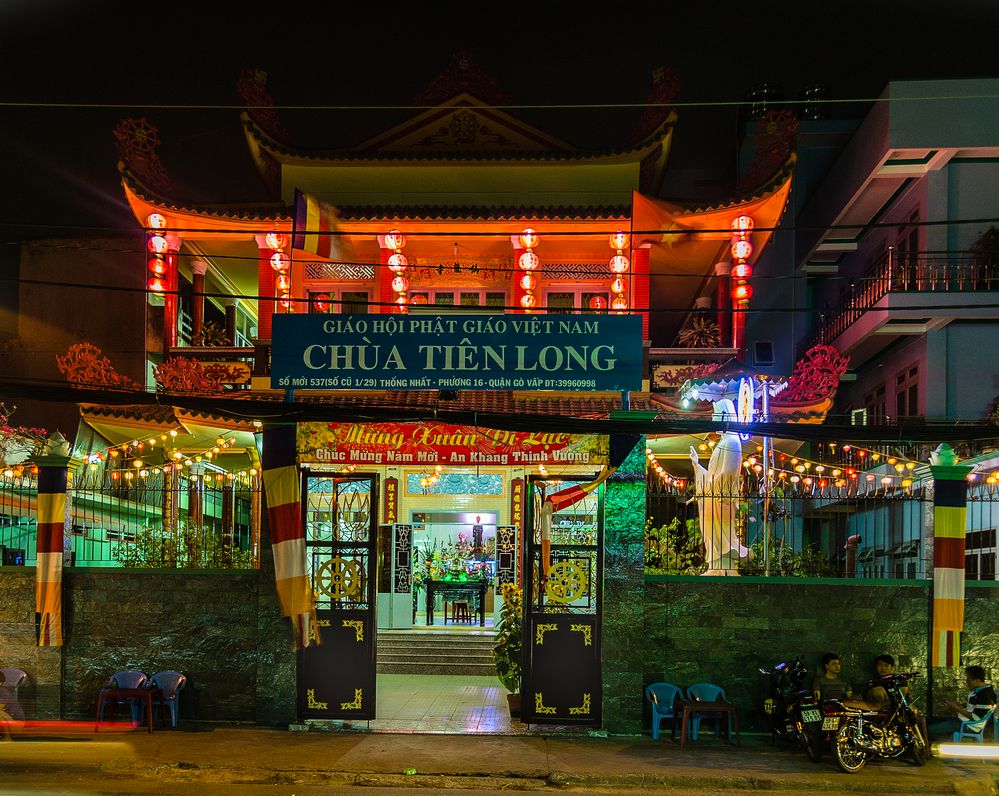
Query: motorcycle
point(861, 733)
point(794, 711)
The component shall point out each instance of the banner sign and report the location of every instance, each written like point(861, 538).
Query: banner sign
point(457, 352)
point(440, 443)
point(390, 512)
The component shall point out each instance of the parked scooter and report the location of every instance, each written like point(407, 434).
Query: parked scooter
point(861, 733)
point(794, 711)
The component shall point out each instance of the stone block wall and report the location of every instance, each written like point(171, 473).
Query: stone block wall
point(722, 630)
point(220, 628)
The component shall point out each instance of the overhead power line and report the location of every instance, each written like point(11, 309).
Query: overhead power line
point(180, 106)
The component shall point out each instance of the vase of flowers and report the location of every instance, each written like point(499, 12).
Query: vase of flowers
point(508, 652)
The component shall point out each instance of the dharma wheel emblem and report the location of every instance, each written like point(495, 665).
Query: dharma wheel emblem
point(565, 582)
point(339, 578)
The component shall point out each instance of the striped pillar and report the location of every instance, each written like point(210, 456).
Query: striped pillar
point(283, 490)
point(950, 494)
point(48, 570)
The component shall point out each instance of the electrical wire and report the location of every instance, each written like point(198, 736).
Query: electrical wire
point(743, 103)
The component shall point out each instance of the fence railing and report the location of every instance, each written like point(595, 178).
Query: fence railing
point(856, 529)
point(121, 518)
point(922, 272)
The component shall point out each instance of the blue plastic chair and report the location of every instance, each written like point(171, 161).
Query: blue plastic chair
point(663, 697)
point(14, 678)
point(128, 678)
point(707, 692)
point(975, 728)
point(170, 683)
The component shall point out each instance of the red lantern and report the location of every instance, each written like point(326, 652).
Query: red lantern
point(157, 285)
point(283, 282)
point(394, 240)
point(528, 261)
point(276, 240)
point(397, 263)
point(597, 303)
point(742, 292)
point(528, 301)
point(741, 249)
point(528, 282)
point(619, 264)
point(321, 302)
point(742, 271)
point(157, 266)
point(155, 221)
point(619, 240)
point(401, 300)
point(419, 298)
point(619, 303)
point(400, 284)
point(280, 262)
point(742, 226)
point(529, 238)
point(619, 285)
point(157, 244)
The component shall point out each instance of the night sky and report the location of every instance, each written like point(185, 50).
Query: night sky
point(60, 174)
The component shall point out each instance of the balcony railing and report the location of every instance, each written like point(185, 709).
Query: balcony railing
point(913, 272)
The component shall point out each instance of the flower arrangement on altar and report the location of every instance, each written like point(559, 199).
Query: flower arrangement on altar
point(448, 561)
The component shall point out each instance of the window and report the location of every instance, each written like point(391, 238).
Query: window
point(763, 352)
point(980, 555)
point(907, 392)
point(875, 405)
point(907, 248)
point(465, 298)
point(568, 299)
point(336, 301)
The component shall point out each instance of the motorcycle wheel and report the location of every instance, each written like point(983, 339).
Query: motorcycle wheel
point(813, 744)
point(918, 747)
point(848, 757)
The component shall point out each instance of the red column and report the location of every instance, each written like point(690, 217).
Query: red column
point(641, 285)
point(171, 301)
point(265, 289)
point(723, 281)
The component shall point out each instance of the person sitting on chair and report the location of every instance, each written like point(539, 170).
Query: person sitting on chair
point(11, 714)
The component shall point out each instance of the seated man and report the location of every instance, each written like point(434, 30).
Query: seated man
point(981, 698)
point(884, 665)
point(828, 685)
point(10, 709)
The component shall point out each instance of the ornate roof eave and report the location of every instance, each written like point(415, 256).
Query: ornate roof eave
point(772, 186)
point(184, 215)
point(662, 222)
point(263, 145)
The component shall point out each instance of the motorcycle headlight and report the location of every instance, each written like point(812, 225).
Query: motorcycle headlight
point(769, 706)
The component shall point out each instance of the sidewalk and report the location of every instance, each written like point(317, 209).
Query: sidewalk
point(253, 755)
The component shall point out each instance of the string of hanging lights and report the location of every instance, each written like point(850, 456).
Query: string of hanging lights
point(528, 262)
point(398, 264)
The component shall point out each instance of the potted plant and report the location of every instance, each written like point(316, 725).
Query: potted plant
point(508, 652)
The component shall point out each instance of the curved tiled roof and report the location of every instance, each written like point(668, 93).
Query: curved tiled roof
point(271, 145)
point(281, 213)
point(770, 186)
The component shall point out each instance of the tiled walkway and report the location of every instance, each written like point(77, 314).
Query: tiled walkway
point(442, 703)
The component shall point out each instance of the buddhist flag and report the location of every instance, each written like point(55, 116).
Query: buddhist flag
point(317, 229)
point(620, 446)
point(282, 487)
point(48, 570)
point(950, 495)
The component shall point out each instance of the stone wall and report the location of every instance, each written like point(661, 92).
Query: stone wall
point(722, 630)
point(220, 628)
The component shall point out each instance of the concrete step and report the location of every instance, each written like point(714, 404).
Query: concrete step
point(437, 667)
point(431, 655)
